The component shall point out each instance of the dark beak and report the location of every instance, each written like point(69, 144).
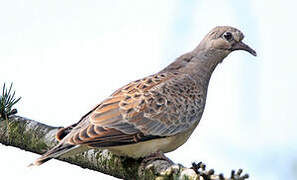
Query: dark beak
point(241, 46)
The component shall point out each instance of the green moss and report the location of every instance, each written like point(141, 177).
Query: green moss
point(27, 139)
point(151, 175)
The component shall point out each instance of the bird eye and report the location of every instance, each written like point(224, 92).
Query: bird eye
point(228, 36)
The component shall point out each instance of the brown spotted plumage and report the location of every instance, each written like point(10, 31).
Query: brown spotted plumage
point(156, 113)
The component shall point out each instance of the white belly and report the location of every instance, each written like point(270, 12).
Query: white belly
point(142, 149)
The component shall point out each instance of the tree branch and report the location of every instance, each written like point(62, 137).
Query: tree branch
point(36, 137)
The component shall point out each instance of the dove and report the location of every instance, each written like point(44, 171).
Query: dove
point(155, 114)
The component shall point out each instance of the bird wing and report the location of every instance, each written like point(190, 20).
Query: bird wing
point(157, 106)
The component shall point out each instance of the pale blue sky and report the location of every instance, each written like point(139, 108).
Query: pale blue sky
point(64, 57)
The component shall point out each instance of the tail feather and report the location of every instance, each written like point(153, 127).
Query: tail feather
point(56, 151)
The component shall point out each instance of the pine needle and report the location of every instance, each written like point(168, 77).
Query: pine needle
point(7, 101)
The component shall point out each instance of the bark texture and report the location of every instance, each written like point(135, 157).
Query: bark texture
point(36, 137)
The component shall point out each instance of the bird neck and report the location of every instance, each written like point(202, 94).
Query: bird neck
point(204, 63)
point(199, 63)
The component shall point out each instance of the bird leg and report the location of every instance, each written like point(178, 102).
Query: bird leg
point(153, 157)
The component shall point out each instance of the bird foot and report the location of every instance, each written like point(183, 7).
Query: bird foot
point(153, 157)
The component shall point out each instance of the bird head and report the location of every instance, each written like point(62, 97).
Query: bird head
point(224, 40)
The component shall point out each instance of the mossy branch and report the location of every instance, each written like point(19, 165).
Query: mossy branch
point(36, 137)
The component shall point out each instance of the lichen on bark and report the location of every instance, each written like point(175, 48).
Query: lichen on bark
point(37, 137)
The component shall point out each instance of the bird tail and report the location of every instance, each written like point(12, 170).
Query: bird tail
point(56, 151)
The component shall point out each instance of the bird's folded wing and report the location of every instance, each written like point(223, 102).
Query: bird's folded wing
point(157, 106)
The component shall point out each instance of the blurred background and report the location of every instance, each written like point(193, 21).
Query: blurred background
point(64, 57)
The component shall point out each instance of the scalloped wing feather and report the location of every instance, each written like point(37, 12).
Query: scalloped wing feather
point(157, 106)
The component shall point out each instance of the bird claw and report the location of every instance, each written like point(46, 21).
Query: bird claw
point(157, 156)
point(153, 157)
